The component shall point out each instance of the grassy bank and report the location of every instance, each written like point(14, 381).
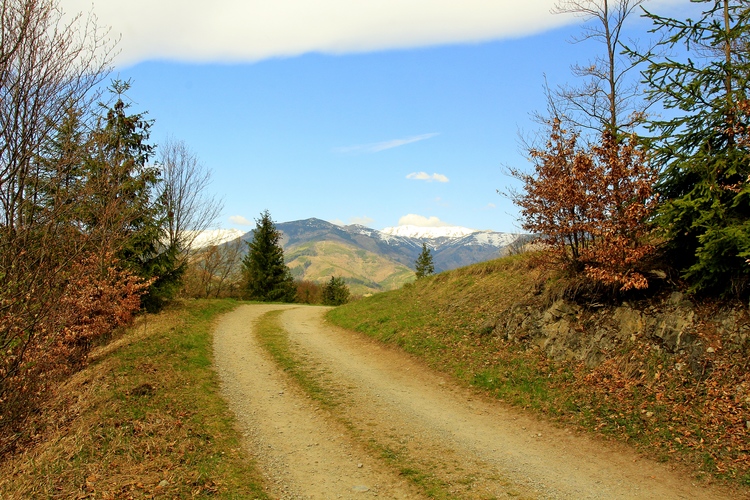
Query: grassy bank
point(641, 394)
point(144, 420)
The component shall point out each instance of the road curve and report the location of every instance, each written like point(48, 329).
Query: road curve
point(471, 446)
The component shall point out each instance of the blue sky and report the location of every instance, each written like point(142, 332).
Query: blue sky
point(373, 112)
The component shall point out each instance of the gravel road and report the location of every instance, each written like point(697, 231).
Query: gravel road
point(395, 411)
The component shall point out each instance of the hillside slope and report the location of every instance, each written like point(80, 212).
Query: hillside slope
point(145, 419)
point(667, 375)
point(364, 272)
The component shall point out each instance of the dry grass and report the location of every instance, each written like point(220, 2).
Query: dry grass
point(144, 420)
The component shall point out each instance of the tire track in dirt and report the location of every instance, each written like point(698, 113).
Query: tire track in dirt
point(477, 448)
point(303, 454)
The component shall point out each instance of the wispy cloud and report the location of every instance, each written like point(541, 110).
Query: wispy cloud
point(240, 220)
point(424, 176)
point(377, 147)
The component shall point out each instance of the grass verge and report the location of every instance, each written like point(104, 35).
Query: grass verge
point(275, 340)
point(143, 420)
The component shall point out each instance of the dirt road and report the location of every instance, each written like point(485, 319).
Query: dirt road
point(404, 431)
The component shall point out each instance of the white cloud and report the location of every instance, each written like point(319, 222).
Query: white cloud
point(251, 30)
point(377, 147)
point(362, 221)
point(240, 220)
point(490, 206)
point(421, 221)
point(424, 176)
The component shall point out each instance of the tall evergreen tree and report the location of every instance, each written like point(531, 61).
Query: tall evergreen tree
point(267, 277)
point(424, 264)
point(120, 169)
point(703, 150)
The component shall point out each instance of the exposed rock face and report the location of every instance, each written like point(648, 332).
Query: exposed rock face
point(567, 331)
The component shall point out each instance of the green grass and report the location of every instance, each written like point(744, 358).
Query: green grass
point(144, 420)
point(449, 321)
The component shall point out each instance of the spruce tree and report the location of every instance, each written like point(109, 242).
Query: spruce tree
point(702, 149)
point(335, 292)
point(424, 264)
point(120, 169)
point(267, 278)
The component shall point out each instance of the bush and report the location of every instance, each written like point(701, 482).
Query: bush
point(309, 292)
point(97, 297)
point(335, 292)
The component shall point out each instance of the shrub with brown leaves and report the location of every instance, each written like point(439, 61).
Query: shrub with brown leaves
point(591, 206)
point(97, 297)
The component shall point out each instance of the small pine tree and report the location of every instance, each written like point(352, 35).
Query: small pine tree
point(424, 264)
point(335, 292)
point(267, 278)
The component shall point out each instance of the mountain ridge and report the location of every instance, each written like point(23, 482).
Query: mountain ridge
point(316, 249)
point(357, 247)
point(452, 246)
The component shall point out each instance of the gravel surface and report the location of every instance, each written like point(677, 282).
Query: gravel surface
point(473, 446)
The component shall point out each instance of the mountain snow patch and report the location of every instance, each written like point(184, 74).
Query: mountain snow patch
point(429, 232)
point(494, 239)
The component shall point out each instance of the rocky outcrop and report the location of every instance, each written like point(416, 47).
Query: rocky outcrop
point(674, 325)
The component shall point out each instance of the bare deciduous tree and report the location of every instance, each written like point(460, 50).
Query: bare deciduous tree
point(215, 270)
point(190, 209)
point(47, 66)
point(608, 99)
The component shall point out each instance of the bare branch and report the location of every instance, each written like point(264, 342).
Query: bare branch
point(190, 209)
point(606, 100)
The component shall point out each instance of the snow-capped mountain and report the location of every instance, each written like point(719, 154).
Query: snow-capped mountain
point(451, 246)
point(428, 232)
point(371, 260)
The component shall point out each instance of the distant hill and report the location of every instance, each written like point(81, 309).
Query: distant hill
point(371, 261)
